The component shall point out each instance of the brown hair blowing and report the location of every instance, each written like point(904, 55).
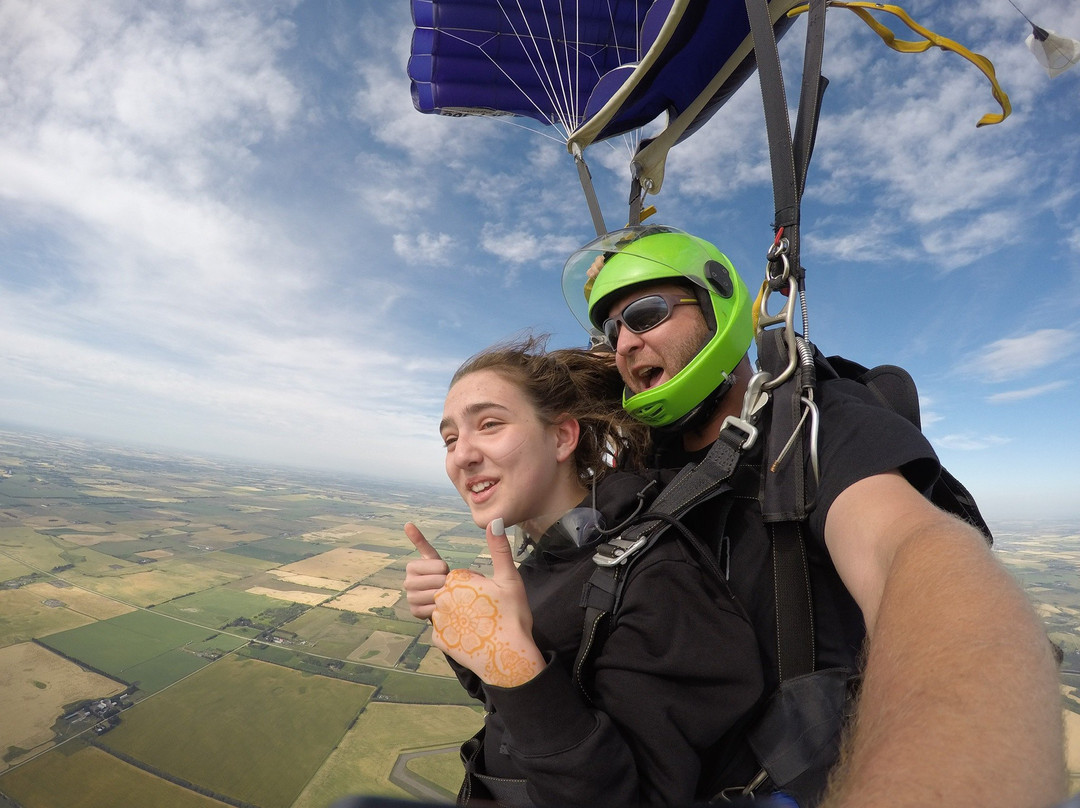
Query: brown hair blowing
point(571, 383)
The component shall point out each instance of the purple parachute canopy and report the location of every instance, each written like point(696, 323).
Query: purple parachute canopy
point(616, 64)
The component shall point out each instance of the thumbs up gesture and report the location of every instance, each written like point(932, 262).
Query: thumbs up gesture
point(424, 576)
point(482, 623)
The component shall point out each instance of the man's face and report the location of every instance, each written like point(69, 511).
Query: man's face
point(653, 357)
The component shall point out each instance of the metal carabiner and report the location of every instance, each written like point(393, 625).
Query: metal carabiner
point(785, 317)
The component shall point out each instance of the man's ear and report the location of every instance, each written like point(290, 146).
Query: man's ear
point(567, 433)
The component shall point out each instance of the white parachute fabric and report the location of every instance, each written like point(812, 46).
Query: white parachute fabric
point(1054, 52)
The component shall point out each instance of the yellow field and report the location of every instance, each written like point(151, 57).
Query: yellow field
point(62, 779)
point(144, 585)
point(310, 580)
point(159, 554)
point(382, 647)
point(293, 595)
point(80, 601)
point(90, 539)
point(24, 615)
point(35, 684)
point(341, 563)
point(364, 758)
point(365, 598)
point(434, 662)
point(384, 535)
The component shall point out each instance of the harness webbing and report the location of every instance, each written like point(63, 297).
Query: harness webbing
point(694, 484)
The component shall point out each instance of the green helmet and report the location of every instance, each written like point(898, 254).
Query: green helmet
point(653, 254)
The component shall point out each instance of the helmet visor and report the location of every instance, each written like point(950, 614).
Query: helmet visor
point(583, 268)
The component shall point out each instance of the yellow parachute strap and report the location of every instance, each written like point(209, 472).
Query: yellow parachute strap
point(931, 40)
point(755, 313)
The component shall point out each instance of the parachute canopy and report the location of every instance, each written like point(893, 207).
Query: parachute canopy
point(593, 68)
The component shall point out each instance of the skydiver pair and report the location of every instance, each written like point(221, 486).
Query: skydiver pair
point(958, 702)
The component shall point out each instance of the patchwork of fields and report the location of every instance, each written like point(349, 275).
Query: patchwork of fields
point(183, 633)
point(186, 633)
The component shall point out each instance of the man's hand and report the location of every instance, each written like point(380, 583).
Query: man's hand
point(485, 623)
point(423, 577)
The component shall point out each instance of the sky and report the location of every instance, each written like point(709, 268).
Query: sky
point(225, 229)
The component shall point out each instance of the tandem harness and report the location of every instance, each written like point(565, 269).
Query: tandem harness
point(795, 737)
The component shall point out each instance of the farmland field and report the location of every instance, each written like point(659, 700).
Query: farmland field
point(141, 648)
point(287, 722)
point(35, 685)
point(216, 607)
point(85, 777)
point(25, 613)
point(341, 562)
point(325, 632)
point(362, 762)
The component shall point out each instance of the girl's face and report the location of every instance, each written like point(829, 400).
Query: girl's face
point(502, 458)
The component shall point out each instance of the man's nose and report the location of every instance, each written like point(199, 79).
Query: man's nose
point(627, 341)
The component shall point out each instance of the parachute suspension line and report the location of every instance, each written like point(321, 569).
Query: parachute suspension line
point(1022, 14)
point(515, 84)
point(563, 119)
point(509, 121)
point(569, 111)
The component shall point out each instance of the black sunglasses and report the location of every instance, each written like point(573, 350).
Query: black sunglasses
point(644, 313)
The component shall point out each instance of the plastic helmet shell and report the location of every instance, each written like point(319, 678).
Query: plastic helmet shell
point(650, 255)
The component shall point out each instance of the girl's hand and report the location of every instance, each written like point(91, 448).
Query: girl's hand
point(485, 623)
point(424, 576)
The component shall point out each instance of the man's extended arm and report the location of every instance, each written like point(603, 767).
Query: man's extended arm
point(960, 702)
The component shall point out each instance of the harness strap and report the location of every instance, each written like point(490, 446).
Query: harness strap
point(789, 159)
point(794, 608)
point(695, 483)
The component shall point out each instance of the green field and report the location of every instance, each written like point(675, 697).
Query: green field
point(85, 777)
point(22, 544)
point(305, 662)
point(285, 722)
point(327, 633)
point(401, 687)
point(362, 762)
point(140, 648)
point(217, 607)
point(280, 551)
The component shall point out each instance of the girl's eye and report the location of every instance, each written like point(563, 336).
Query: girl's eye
point(489, 424)
point(448, 441)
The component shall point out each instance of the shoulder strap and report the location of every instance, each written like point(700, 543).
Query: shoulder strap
point(789, 158)
point(602, 593)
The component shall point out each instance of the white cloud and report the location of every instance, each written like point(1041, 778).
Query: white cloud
point(1013, 357)
point(515, 246)
point(967, 442)
point(425, 248)
point(1030, 392)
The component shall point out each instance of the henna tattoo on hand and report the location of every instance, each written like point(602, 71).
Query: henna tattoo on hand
point(467, 622)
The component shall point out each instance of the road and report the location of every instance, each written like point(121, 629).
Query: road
point(413, 783)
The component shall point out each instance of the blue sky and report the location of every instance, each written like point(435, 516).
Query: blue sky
point(224, 228)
